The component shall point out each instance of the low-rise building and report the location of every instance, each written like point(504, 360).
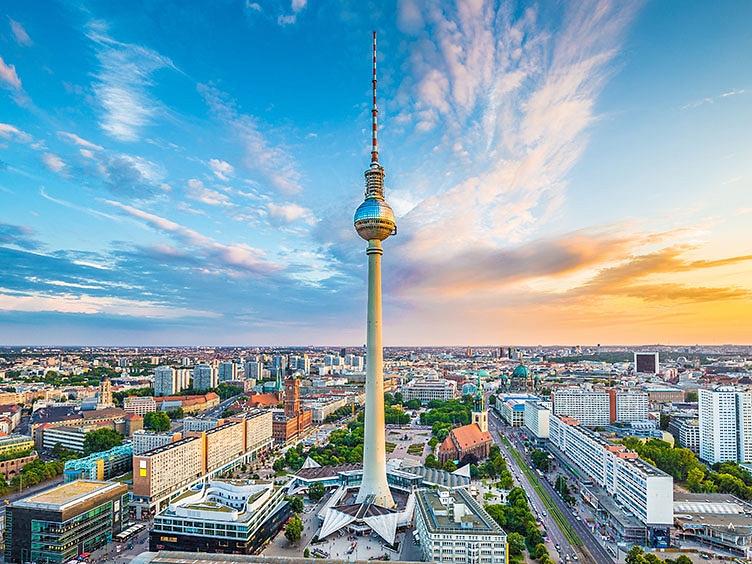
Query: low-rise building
point(103, 465)
point(427, 389)
point(453, 527)
point(511, 408)
point(139, 405)
point(223, 516)
point(57, 525)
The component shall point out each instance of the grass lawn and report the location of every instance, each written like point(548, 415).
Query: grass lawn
point(390, 447)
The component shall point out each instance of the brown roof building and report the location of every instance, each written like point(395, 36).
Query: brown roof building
point(468, 439)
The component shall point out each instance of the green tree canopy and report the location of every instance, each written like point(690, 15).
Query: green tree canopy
point(157, 421)
point(297, 505)
point(316, 491)
point(101, 439)
point(294, 529)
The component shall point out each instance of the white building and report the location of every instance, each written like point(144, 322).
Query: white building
point(536, 417)
point(165, 381)
point(144, 441)
point(427, 389)
point(725, 425)
point(642, 489)
point(687, 432)
point(631, 406)
point(452, 527)
point(204, 377)
point(590, 408)
point(140, 405)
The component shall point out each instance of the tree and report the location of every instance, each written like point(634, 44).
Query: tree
point(306, 553)
point(497, 513)
point(469, 458)
point(665, 418)
point(516, 543)
point(540, 551)
point(398, 397)
point(297, 505)
point(294, 529)
point(177, 413)
point(316, 491)
point(413, 404)
point(691, 397)
point(157, 421)
point(101, 439)
point(635, 556)
point(279, 465)
point(540, 459)
point(432, 462)
point(492, 399)
point(450, 466)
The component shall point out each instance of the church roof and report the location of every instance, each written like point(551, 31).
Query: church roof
point(471, 435)
point(466, 437)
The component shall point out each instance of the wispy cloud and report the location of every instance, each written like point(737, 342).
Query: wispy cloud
point(53, 162)
point(18, 235)
point(275, 165)
point(290, 213)
point(73, 138)
point(123, 82)
point(195, 190)
point(8, 131)
point(239, 258)
point(22, 38)
point(285, 12)
point(713, 99)
point(513, 99)
point(9, 76)
point(221, 169)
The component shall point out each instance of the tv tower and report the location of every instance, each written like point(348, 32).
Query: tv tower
point(374, 222)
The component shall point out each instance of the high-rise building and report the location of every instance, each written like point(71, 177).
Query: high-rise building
point(591, 409)
point(254, 370)
point(165, 381)
point(204, 377)
point(374, 222)
point(646, 362)
point(227, 371)
point(725, 424)
point(628, 406)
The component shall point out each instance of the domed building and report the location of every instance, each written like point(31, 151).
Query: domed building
point(521, 378)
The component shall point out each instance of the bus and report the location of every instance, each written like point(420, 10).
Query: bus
point(129, 533)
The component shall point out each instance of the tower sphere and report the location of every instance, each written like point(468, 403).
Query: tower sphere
point(374, 219)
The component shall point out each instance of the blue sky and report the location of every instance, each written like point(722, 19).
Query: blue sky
point(186, 172)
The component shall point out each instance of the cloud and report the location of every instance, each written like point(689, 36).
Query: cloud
point(8, 131)
point(512, 99)
point(290, 213)
point(275, 165)
point(221, 169)
point(22, 38)
point(123, 82)
point(72, 137)
point(239, 258)
point(276, 10)
point(53, 162)
point(196, 190)
point(713, 99)
point(134, 177)
point(8, 75)
point(18, 235)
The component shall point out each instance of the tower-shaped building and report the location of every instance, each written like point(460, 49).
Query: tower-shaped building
point(374, 222)
point(480, 413)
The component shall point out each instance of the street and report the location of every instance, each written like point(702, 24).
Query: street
point(592, 550)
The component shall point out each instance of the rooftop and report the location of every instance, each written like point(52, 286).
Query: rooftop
point(64, 495)
point(455, 511)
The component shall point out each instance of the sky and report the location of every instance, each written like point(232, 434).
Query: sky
point(186, 172)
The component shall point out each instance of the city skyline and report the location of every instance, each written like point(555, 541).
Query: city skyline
point(186, 174)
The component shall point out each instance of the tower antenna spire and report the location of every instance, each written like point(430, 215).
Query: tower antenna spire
point(374, 112)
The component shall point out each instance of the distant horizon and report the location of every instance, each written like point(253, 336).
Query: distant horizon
point(362, 348)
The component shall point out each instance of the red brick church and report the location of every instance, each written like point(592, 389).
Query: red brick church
point(469, 439)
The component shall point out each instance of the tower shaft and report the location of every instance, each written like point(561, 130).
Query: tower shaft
point(374, 440)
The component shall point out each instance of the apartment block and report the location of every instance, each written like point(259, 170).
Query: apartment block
point(725, 424)
point(642, 489)
point(139, 405)
point(536, 417)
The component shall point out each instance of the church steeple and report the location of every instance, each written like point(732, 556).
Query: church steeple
point(480, 413)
